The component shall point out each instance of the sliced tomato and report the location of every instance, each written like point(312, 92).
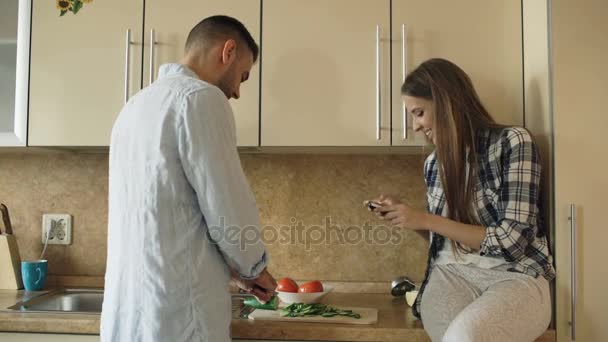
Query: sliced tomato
point(311, 286)
point(287, 285)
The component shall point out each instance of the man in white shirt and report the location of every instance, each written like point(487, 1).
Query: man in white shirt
point(182, 217)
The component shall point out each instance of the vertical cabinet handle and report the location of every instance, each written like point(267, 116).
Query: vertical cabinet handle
point(404, 74)
point(378, 86)
point(152, 44)
point(572, 219)
point(127, 64)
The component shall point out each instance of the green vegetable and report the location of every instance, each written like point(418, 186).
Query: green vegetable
point(317, 309)
point(272, 304)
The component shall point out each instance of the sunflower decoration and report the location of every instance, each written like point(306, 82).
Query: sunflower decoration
point(65, 6)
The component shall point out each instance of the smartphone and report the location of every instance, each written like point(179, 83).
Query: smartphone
point(372, 205)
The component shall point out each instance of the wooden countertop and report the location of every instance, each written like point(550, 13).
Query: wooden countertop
point(395, 322)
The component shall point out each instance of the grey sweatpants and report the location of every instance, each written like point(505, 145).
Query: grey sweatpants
point(464, 303)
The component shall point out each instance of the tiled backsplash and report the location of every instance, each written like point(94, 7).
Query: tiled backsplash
point(310, 207)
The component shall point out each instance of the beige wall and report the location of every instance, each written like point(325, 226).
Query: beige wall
point(300, 188)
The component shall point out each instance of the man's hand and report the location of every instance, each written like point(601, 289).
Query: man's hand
point(264, 286)
point(243, 284)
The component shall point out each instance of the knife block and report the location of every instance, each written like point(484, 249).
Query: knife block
point(10, 263)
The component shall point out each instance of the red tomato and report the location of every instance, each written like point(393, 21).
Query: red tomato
point(311, 286)
point(287, 285)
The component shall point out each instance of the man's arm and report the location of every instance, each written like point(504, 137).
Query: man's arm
point(212, 165)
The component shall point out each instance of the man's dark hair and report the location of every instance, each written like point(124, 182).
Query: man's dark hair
point(221, 27)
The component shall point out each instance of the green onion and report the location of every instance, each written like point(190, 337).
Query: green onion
point(317, 309)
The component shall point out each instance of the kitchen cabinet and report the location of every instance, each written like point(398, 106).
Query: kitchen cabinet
point(483, 37)
point(325, 72)
point(169, 26)
point(329, 81)
point(14, 61)
point(331, 71)
point(565, 85)
point(580, 84)
point(85, 66)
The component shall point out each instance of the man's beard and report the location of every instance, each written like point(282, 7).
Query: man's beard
point(225, 83)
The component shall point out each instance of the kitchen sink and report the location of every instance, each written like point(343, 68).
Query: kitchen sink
point(89, 301)
point(81, 301)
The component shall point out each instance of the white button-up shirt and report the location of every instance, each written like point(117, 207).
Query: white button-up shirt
point(180, 211)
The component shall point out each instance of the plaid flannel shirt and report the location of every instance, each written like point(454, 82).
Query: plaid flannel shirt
point(507, 200)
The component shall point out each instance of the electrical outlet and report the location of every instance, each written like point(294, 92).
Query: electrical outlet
point(59, 228)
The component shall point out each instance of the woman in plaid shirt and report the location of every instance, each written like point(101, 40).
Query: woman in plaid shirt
point(489, 264)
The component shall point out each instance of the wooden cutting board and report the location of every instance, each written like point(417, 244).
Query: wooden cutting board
point(10, 263)
point(368, 316)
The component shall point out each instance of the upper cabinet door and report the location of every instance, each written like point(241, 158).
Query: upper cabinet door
point(14, 67)
point(169, 23)
point(325, 73)
point(82, 70)
point(483, 37)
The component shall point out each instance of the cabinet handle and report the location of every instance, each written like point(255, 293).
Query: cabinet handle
point(378, 86)
point(404, 71)
point(127, 64)
point(572, 219)
point(152, 44)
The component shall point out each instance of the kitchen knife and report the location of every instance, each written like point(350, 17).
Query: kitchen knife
point(8, 228)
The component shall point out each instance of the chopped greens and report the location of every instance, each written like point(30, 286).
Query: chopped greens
point(317, 309)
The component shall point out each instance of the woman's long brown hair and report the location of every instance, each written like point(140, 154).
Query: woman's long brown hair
point(459, 118)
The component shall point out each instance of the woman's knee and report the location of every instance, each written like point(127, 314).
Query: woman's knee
point(464, 331)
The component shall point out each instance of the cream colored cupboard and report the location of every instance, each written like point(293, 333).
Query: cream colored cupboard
point(332, 70)
point(82, 69)
point(325, 73)
point(565, 86)
point(169, 26)
point(580, 85)
point(483, 37)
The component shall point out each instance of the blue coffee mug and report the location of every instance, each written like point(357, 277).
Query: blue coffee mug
point(33, 274)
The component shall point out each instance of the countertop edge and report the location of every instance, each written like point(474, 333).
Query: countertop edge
point(56, 323)
point(324, 332)
point(68, 324)
point(89, 325)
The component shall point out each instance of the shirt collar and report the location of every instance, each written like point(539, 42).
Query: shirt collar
point(175, 69)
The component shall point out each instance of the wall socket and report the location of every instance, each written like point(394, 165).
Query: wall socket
point(60, 228)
